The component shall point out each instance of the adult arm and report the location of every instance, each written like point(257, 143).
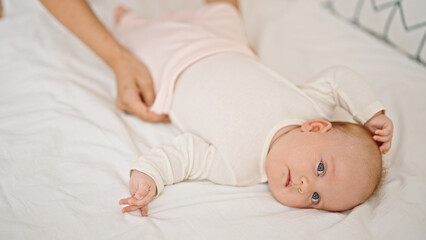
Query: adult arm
point(135, 92)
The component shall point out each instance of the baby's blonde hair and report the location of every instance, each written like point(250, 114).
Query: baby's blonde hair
point(361, 134)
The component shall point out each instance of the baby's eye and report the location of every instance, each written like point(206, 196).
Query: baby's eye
point(320, 168)
point(315, 197)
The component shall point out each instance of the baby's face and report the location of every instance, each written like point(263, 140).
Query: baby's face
point(317, 170)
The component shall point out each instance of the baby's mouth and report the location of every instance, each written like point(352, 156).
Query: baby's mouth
point(288, 181)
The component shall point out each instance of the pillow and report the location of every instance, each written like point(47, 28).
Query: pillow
point(400, 23)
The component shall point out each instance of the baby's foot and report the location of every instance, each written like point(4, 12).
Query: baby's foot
point(120, 11)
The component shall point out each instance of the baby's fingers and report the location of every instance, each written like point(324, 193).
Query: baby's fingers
point(379, 138)
point(384, 132)
point(142, 191)
point(124, 201)
point(130, 208)
point(144, 201)
point(384, 148)
point(144, 211)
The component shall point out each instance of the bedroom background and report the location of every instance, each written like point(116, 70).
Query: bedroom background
point(65, 149)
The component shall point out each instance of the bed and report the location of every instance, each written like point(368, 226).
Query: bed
point(65, 149)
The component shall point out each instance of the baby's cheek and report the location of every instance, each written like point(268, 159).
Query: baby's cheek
point(288, 197)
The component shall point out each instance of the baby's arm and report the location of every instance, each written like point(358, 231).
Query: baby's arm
point(188, 157)
point(340, 86)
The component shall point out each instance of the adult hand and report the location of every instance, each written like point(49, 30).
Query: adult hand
point(134, 84)
point(135, 90)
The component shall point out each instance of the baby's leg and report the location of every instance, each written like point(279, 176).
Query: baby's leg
point(220, 18)
point(120, 11)
point(124, 18)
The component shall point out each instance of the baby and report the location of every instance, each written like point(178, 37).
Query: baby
point(244, 124)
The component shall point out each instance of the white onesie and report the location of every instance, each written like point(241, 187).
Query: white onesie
point(230, 106)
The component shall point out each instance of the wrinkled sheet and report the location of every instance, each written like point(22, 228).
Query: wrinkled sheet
point(65, 149)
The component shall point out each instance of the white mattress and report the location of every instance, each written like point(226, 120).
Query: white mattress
point(65, 149)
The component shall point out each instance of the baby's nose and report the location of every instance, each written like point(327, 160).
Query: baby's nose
point(305, 185)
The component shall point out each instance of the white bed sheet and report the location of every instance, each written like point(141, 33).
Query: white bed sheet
point(65, 149)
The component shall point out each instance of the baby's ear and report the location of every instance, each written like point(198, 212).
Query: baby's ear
point(316, 126)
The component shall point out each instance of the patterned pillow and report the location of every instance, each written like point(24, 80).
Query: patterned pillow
point(401, 23)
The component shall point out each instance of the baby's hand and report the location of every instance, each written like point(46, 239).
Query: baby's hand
point(382, 129)
point(143, 189)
